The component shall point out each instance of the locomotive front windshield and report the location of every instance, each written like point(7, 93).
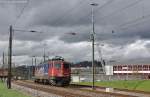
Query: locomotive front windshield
point(57, 66)
point(67, 66)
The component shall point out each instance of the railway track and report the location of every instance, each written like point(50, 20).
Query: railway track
point(116, 91)
point(136, 93)
point(71, 91)
point(52, 90)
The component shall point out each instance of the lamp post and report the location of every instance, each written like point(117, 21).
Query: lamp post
point(93, 40)
point(11, 30)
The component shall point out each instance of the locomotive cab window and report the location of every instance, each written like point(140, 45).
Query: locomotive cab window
point(57, 66)
point(66, 65)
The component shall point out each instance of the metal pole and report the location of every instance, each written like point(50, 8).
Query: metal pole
point(44, 54)
point(93, 65)
point(3, 58)
point(93, 49)
point(3, 64)
point(10, 58)
point(35, 61)
point(29, 75)
point(92, 36)
point(32, 68)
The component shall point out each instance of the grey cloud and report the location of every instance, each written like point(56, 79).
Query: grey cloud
point(52, 15)
point(57, 18)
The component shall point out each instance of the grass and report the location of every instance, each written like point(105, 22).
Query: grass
point(142, 85)
point(4, 92)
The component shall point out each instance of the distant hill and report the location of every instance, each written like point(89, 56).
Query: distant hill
point(86, 64)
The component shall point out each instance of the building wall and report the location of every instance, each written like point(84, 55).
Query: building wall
point(132, 69)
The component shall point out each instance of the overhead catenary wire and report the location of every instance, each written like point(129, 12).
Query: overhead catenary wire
point(113, 13)
point(82, 18)
point(97, 9)
point(135, 22)
point(19, 16)
point(56, 22)
point(21, 12)
point(69, 13)
point(119, 10)
point(129, 23)
point(61, 17)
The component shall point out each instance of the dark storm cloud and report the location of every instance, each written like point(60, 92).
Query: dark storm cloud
point(122, 35)
point(67, 14)
point(59, 18)
point(74, 13)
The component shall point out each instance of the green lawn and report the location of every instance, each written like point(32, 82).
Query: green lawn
point(4, 92)
point(143, 85)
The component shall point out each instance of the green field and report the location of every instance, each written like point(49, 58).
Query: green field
point(142, 85)
point(4, 92)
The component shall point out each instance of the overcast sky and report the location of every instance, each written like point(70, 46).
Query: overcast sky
point(128, 19)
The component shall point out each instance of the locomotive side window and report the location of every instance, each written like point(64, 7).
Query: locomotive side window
point(66, 66)
point(57, 66)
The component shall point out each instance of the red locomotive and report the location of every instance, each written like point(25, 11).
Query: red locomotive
point(55, 72)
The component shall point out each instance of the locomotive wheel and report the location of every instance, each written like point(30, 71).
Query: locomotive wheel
point(52, 82)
